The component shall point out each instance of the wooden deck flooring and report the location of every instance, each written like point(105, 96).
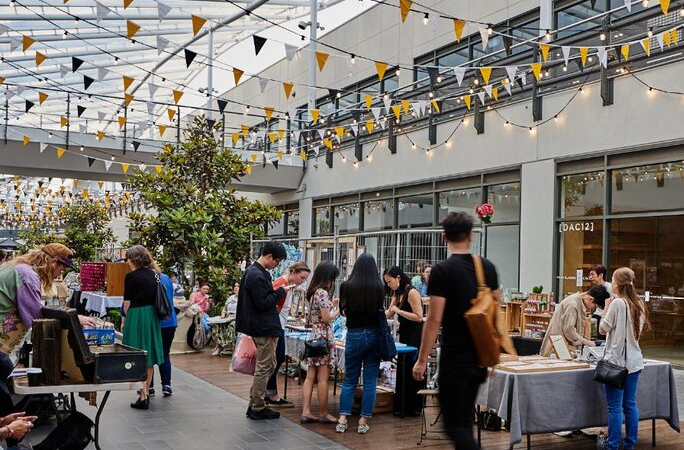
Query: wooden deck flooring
point(393, 433)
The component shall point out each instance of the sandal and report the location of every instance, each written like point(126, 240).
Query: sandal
point(324, 419)
point(363, 428)
point(341, 427)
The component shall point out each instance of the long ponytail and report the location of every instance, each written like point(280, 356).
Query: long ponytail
point(623, 278)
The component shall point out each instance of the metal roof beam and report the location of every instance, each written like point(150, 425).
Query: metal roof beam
point(61, 17)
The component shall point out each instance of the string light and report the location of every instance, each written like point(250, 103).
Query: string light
point(413, 146)
point(548, 35)
point(430, 94)
point(650, 32)
point(66, 33)
point(353, 59)
point(602, 36)
point(426, 19)
point(681, 12)
point(490, 29)
point(81, 148)
point(555, 118)
point(439, 78)
point(645, 3)
point(565, 68)
point(397, 72)
point(507, 123)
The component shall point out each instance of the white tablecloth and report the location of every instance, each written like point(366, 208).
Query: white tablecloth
point(99, 301)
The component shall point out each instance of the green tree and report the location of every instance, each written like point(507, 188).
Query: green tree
point(86, 228)
point(36, 236)
point(194, 215)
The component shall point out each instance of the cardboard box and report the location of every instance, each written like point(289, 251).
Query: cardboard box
point(384, 400)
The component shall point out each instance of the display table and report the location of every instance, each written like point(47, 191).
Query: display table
point(21, 387)
point(99, 302)
point(529, 402)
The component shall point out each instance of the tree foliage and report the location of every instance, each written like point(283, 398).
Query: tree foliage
point(194, 213)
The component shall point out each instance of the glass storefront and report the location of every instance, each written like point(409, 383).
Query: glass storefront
point(321, 226)
point(460, 200)
point(378, 215)
point(416, 211)
point(347, 218)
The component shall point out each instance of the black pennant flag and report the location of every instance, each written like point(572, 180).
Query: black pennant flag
point(76, 63)
point(333, 94)
point(80, 110)
point(507, 42)
point(90, 161)
point(258, 43)
point(29, 105)
point(275, 163)
point(136, 144)
point(433, 73)
point(579, 64)
point(520, 83)
point(211, 123)
point(593, 3)
point(189, 57)
point(87, 81)
point(40, 183)
point(222, 105)
point(263, 161)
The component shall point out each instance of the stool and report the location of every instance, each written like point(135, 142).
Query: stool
point(424, 428)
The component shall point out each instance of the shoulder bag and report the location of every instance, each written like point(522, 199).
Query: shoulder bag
point(315, 348)
point(387, 349)
point(161, 302)
point(613, 374)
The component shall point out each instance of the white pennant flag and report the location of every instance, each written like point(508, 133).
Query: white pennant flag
point(416, 108)
point(383, 123)
point(101, 11)
point(142, 166)
point(508, 87)
point(317, 150)
point(290, 51)
point(523, 78)
point(661, 41)
point(253, 136)
point(9, 94)
point(566, 54)
point(162, 43)
point(460, 73)
point(101, 116)
point(376, 112)
point(481, 96)
point(63, 70)
point(321, 132)
point(297, 133)
point(162, 10)
point(511, 71)
point(101, 73)
point(150, 107)
point(488, 90)
point(107, 164)
point(263, 82)
point(153, 89)
point(15, 44)
point(388, 103)
point(484, 35)
point(602, 56)
point(423, 105)
point(337, 136)
point(20, 89)
point(82, 128)
point(3, 29)
point(628, 4)
point(43, 146)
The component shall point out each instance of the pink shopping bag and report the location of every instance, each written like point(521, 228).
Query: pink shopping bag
point(244, 356)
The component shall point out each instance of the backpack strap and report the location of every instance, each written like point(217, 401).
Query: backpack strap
point(479, 272)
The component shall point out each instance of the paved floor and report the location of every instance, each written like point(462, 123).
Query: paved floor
point(198, 416)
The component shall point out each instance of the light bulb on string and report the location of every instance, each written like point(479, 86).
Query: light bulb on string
point(430, 94)
point(353, 59)
point(81, 148)
point(565, 68)
point(490, 29)
point(602, 36)
point(439, 78)
point(555, 118)
point(507, 123)
point(397, 72)
point(413, 146)
point(645, 3)
point(681, 11)
point(650, 32)
point(548, 35)
point(426, 19)
point(66, 33)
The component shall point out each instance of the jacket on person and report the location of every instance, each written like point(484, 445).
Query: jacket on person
point(257, 313)
point(567, 321)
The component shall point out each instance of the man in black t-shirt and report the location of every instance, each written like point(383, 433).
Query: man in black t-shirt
point(451, 287)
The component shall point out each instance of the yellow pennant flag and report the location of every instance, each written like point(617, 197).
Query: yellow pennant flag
point(675, 39)
point(131, 29)
point(162, 129)
point(405, 6)
point(128, 98)
point(63, 121)
point(302, 155)
point(536, 70)
point(281, 134)
point(171, 113)
point(466, 99)
point(280, 154)
point(27, 42)
point(42, 97)
point(122, 121)
point(584, 51)
point(237, 74)
point(625, 51)
point(667, 39)
point(253, 156)
point(272, 136)
point(458, 29)
point(495, 93)
point(158, 169)
point(124, 167)
point(407, 105)
point(369, 100)
point(321, 59)
point(236, 137)
point(288, 89)
point(340, 132)
point(248, 169)
point(127, 81)
point(397, 111)
point(268, 110)
point(328, 143)
point(177, 96)
point(26, 140)
point(197, 24)
point(544, 51)
point(435, 106)
point(40, 57)
point(60, 152)
point(127, 3)
point(665, 5)
point(381, 67)
point(647, 46)
point(2, 80)
point(100, 184)
point(245, 130)
point(370, 125)
point(315, 114)
point(486, 74)
point(100, 135)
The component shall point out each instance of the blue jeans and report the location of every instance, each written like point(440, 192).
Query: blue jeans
point(623, 402)
point(360, 350)
point(165, 368)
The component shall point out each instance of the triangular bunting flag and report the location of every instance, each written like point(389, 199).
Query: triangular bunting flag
point(458, 29)
point(107, 164)
point(237, 74)
point(162, 11)
point(245, 130)
point(484, 36)
point(40, 57)
point(380, 67)
point(162, 43)
point(177, 96)
point(136, 145)
point(566, 54)
point(406, 104)
point(466, 99)
point(124, 167)
point(290, 51)
point(197, 24)
point(624, 50)
point(128, 98)
point(236, 137)
point(60, 152)
point(321, 59)
point(376, 113)
point(460, 73)
point(26, 140)
point(152, 88)
point(646, 44)
point(328, 143)
point(536, 70)
point(171, 113)
point(665, 5)
point(268, 111)
point(488, 90)
point(63, 70)
point(101, 11)
point(661, 41)
point(100, 135)
point(481, 96)
point(405, 7)
point(495, 93)
point(253, 156)
point(667, 38)
point(42, 97)
point(80, 110)
point(101, 73)
point(27, 42)
point(602, 54)
point(508, 44)
point(150, 108)
point(388, 102)
point(131, 29)
point(249, 170)
point(63, 121)
point(87, 81)
point(162, 129)
point(340, 132)
point(263, 82)
point(544, 51)
point(122, 121)
point(189, 57)
point(315, 113)
point(43, 146)
point(258, 43)
point(675, 36)
point(275, 162)
point(486, 73)
point(397, 111)
point(127, 3)
point(370, 125)
point(221, 105)
point(511, 71)
point(280, 154)
point(628, 4)
point(76, 63)
point(584, 51)
point(90, 161)
point(287, 87)
point(127, 81)
point(368, 99)
point(435, 106)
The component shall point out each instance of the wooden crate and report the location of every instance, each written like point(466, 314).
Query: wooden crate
point(384, 400)
point(116, 272)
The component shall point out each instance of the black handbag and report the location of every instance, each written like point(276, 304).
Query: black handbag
point(315, 348)
point(161, 301)
point(613, 374)
point(387, 348)
point(73, 433)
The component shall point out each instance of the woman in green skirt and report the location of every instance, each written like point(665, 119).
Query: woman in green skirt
point(141, 329)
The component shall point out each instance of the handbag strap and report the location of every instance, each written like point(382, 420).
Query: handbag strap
point(624, 349)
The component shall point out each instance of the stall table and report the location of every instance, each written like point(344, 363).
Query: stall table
point(99, 301)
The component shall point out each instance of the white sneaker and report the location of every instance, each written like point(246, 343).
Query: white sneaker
point(216, 352)
point(563, 433)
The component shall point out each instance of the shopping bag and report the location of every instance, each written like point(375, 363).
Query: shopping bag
point(244, 356)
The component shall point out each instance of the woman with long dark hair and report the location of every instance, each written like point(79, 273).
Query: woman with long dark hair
point(361, 297)
point(407, 305)
point(622, 323)
point(321, 316)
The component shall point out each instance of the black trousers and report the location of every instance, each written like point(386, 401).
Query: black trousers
point(272, 385)
point(458, 386)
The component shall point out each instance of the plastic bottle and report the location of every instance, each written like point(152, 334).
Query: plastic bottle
point(601, 441)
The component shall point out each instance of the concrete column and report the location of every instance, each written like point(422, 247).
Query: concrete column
point(536, 224)
point(305, 218)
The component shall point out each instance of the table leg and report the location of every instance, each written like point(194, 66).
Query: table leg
point(479, 428)
point(529, 442)
point(653, 433)
point(97, 419)
point(403, 386)
point(287, 366)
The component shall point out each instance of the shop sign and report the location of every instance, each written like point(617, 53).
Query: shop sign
point(576, 226)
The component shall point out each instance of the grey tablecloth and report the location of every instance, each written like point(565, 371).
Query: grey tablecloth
point(98, 301)
point(546, 402)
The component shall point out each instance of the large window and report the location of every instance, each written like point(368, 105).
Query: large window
point(582, 195)
point(347, 218)
point(503, 248)
point(648, 188)
point(459, 200)
point(581, 246)
point(378, 215)
point(416, 211)
point(293, 223)
point(322, 221)
point(506, 201)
